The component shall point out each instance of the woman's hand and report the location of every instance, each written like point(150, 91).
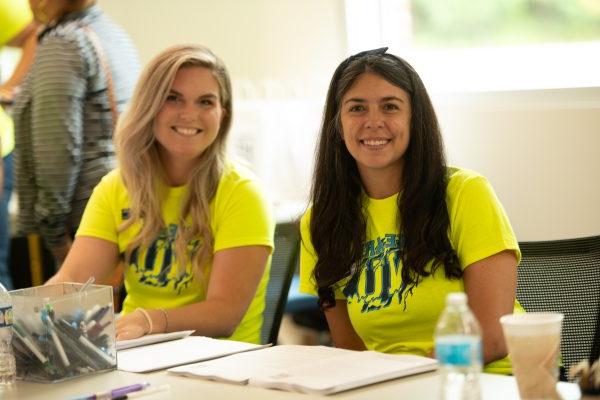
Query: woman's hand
point(132, 326)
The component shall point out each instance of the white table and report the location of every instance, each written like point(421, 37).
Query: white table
point(425, 386)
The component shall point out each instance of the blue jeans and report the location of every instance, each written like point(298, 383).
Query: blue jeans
point(5, 277)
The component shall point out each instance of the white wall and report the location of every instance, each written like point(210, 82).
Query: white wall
point(538, 148)
point(259, 40)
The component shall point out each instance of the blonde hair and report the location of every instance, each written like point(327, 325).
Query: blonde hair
point(141, 167)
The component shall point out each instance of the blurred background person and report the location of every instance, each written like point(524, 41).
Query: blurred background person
point(65, 114)
point(18, 30)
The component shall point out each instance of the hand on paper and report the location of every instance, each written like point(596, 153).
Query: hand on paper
point(131, 326)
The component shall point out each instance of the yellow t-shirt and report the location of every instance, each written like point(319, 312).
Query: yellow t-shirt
point(388, 316)
point(14, 16)
point(7, 138)
point(240, 215)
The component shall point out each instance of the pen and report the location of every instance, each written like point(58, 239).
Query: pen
point(90, 312)
point(145, 392)
point(97, 316)
point(46, 319)
point(24, 337)
point(87, 283)
point(77, 336)
point(78, 350)
point(116, 393)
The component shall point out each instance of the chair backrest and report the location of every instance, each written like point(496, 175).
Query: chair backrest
point(564, 276)
point(283, 264)
point(595, 353)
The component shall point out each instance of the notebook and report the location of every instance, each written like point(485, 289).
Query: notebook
point(307, 369)
point(187, 350)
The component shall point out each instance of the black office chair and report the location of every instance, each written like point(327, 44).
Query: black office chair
point(564, 276)
point(283, 264)
point(595, 353)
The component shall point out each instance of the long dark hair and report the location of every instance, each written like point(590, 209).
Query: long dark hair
point(338, 222)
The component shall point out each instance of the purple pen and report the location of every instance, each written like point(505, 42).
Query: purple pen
point(116, 393)
point(128, 389)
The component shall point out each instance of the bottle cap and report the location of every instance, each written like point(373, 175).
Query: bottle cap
point(456, 298)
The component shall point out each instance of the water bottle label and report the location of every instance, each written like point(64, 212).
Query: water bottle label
point(458, 352)
point(6, 316)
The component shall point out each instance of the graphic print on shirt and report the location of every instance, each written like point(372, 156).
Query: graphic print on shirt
point(378, 282)
point(155, 266)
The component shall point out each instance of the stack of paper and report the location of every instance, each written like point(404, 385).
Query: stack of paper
point(308, 369)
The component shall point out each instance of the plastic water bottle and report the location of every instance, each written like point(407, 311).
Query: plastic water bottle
point(7, 359)
point(458, 350)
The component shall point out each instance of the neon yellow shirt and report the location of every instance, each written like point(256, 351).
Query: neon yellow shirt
point(14, 17)
point(388, 316)
point(240, 215)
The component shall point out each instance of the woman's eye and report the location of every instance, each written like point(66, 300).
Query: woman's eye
point(207, 102)
point(390, 107)
point(172, 98)
point(357, 108)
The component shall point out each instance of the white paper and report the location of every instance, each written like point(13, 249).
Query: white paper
point(301, 368)
point(150, 339)
point(178, 352)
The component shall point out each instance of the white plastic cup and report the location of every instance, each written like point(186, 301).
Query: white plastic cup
point(533, 341)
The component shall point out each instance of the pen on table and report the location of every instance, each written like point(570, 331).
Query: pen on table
point(116, 393)
point(145, 392)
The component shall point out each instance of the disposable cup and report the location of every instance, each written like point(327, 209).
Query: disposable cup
point(533, 341)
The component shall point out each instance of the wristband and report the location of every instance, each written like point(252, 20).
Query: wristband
point(148, 319)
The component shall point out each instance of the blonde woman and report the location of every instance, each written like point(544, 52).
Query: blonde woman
point(194, 229)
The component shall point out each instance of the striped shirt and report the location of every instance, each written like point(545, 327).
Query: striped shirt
point(63, 122)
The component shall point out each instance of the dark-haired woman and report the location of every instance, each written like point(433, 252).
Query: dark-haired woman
point(392, 229)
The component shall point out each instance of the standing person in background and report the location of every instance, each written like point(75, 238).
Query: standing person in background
point(64, 116)
point(195, 229)
point(392, 229)
point(17, 29)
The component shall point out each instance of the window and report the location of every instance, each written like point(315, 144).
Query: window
point(469, 45)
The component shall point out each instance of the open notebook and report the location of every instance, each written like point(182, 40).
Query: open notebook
point(307, 369)
point(181, 351)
